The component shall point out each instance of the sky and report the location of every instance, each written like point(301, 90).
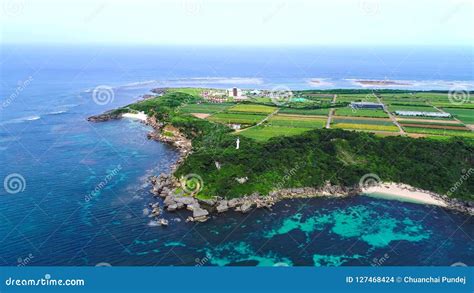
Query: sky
point(241, 23)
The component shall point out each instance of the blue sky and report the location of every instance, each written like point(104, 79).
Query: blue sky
point(245, 22)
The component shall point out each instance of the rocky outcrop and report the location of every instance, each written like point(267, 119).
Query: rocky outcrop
point(110, 115)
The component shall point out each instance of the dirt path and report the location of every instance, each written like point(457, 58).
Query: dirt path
point(261, 122)
point(394, 120)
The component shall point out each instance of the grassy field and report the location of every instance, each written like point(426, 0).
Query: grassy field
point(360, 113)
point(297, 121)
point(465, 115)
point(252, 108)
point(186, 90)
point(444, 132)
point(262, 133)
point(323, 111)
point(236, 118)
point(369, 127)
point(386, 122)
point(422, 108)
point(204, 108)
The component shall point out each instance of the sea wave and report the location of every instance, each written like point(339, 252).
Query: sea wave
point(21, 120)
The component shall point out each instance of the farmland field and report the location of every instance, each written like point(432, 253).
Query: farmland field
point(386, 122)
point(465, 115)
point(237, 118)
point(425, 108)
point(368, 127)
point(360, 112)
point(297, 121)
point(322, 111)
point(252, 108)
point(204, 108)
point(444, 132)
point(263, 133)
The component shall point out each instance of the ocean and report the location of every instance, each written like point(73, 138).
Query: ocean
point(78, 192)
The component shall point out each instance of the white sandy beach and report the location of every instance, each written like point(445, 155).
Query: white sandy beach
point(140, 116)
point(403, 192)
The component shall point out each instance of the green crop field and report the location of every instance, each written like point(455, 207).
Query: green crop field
point(368, 127)
point(425, 108)
point(237, 118)
point(360, 112)
point(323, 111)
point(262, 133)
point(421, 123)
point(204, 108)
point(465, 115)
point(445, 132)
point(386, 122)
point(186, 90)
point(297, 121)
point(252, 108)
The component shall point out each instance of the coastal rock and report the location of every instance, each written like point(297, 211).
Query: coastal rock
point(199, 212)
point(162, 222)
point(222, 206)
point(246, 207)
point(172, 208)
point(233, 202)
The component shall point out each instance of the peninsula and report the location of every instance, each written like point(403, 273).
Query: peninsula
point(245, 149)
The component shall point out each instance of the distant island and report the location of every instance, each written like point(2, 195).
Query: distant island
point(244, 149)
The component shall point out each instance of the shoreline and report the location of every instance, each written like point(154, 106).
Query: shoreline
point(165, 185)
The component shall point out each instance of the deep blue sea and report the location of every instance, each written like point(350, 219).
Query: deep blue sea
point(81, 192)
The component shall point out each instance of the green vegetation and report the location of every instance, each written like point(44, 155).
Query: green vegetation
point(444, 132)
point(366, 127)
point(236, 118)
point(361, 113)
point(465, 115)
point(252, 108)
point(321, 111)
point(265, 132)
point(297, 121)
point(291, 145)
point(205, 108)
